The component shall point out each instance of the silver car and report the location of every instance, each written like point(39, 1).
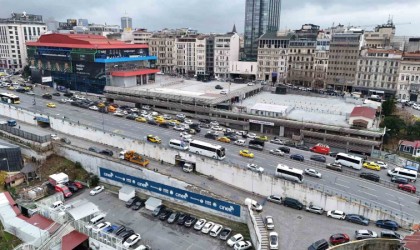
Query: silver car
point(313, 173)
point(314, 209)
point(365, 234)
point(275, 199)
point(276, 152)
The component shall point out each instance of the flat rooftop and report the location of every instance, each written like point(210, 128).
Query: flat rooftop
point(183, 89)
point(322, 110)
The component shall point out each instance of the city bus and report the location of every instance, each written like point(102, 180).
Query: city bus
point(207, 149)
point(288, 173)
point(350, 161)
point(9, 98)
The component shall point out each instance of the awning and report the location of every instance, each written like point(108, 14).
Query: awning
point(135, 72)
point(152, 203)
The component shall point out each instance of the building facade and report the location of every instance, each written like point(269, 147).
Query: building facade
point(322, 52)
point(377, 72)
point(301, 62)
point(163, 46)
point(210, 55)
point(141, 36)
point(381, 37)
point(185, 55)
point(14, 33)
point(126, 23)
point(261, 16)
point(343, 58)
point(200, 56)
point(408, 86)
point(226, 49)
point(88, 63)
point(273, 57)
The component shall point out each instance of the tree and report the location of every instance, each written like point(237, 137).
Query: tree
point(388, 107)
point(26, 71)
point(413, 131)
point(394, 124)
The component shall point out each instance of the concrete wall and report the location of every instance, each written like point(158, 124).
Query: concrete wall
point(369, 244)
point(18, 114)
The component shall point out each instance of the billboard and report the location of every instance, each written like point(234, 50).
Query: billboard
point(93, 70)
point(176, 193)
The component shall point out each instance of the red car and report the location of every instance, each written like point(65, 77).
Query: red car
point(337, 239)
point(407, 187)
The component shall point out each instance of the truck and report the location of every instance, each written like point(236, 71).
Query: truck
point(134, 157)
point(59, 178)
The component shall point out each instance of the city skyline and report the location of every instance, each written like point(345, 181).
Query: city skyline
point(217, 16)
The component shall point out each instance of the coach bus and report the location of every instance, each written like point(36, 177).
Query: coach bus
point(9, 98)
point(207, 149)
point(288, 173)
point(350, 161)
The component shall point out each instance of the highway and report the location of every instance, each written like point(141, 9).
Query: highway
point(336, 183)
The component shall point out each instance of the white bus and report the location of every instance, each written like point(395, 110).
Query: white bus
point(403, 172)
point(178, 144)
point(288, 173)
point(207, 149)
point(350, 161)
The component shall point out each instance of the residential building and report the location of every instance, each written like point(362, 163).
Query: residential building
point(322, 51)
point(15, 31)
point(377, 72)
point(413, 44)
point(273, 56)
point(141, 36)
point(226, 49)
point(210, 55)
point(261, 16)
point(343, 57)
point(126, 23)
point(200, 55)
point(408, 86)
point(185, 55)
point(87, 63)
point(301, 62)
point(307, 32)
point(103, 29)
point(163, 46)
point(380, 37)
point(409, 147)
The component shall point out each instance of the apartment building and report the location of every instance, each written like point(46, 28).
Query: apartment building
point(377, 72)
point(343, 58)
point(185, 55)
point(200, 56)
point(141, 36)
point(226, 50)
point(163, 46)
point(381, 36)
point(273, 56)
point(301, 58)
point(14, 33)
point(322, 51)
point(408, 85)
point(210, 55)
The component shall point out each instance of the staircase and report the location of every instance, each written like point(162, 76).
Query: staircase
point(263, 232)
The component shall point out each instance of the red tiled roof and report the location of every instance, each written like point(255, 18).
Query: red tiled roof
point(412, 241)
point(12, 203)
point(135, 72)
point(414, 144)
point(14, 177)
point(366, 112)
point(41, 222)
point(82, 41)
point(72, 240)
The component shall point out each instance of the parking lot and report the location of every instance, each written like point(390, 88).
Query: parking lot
point(155, 233)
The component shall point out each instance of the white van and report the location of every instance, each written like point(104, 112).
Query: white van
point(178, 144)
point(403, 172)
point(95, 220)
point(57, 204)
point(215, 231)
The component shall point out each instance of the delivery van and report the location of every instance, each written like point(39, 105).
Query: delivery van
point(321, 149)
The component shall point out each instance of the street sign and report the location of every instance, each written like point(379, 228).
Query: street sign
point(176, 193)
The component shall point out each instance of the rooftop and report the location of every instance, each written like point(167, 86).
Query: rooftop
point(365, 112)
point(270, 107)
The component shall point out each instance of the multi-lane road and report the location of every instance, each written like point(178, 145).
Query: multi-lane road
point(349, 186)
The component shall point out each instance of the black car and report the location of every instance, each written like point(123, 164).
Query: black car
point(182, 219)
point(158, 210)
point(94, 149)
point(131, 116)
point(68, 94)
point(297, 157)
point(137, 205)
point(319, 158)
point(399, 180)
point(132, 201)
point(370, 176)
point(20, 90)
point(302, 147)
point(106, 152)
point(190, 221)
point(119, 230)
point(152, 122)
point(224, 234)
point(232, 137)
point(73, 188)
point(218, 87)
point(256, 147)
point(173, 217)
point(285, 150)
point(333, 154)
point(358, 219)
point(164, 125)
point(126, 234)
point(56, 94)
point(196, 127)
point(165, 214)
point(47, 96)
point(204, 120)
point(211, 136)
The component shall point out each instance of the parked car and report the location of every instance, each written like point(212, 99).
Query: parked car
point(224, 234)
point(358, 219)
point(131, 201)
point(321, 244)
point(190, 221)
point(387, 224)
point(101, 226)
point(137, 205)
point(269, 222)
point(381, 164)
point(132, 240)
point(391, 235)
point(199, 224)
point(399, 180)
point(96, 190)
point(242, 245)
point(293, 203)
point(158, 210)
point(313, 173)
point(215, 231)
point(173, 217)
point(315, 209)
point(276, 152)
point(275, 199)
point(370, 176)
point(273, 240)
point(165, 214)
point(336, 214)
point(277, 141)
point(286, 150)
point(407, 187)
point(297, 157)
point(236, 238)
point(207, 227)
point(182, 219)
point(334, 166)
point(365, 234)
point(340, 238)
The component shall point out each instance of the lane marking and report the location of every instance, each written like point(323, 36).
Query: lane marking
point(399, 204)
point(367, 193)
point(341, 180)
point(366, 187)
point(341, 185)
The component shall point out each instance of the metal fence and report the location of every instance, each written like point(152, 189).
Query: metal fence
point(26, 135)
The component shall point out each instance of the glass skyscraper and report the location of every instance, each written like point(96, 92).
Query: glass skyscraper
point(126, 23)
point(261, 16)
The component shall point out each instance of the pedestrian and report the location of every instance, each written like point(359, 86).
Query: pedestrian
point(19, 126)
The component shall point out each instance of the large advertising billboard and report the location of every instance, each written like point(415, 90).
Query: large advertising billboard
point(92, 70)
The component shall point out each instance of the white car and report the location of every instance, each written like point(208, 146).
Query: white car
point(251, 135)
point(215, 231)
point(93, 108)
point(96, 190)
point(69, 100)
point(186, 137)
point(313, 173)
point(145, 107)
point(276, 152)
point(143, 112)
point(255, 168)
point(269, 222)
point(239, 142)
point(381, 164)
point(180, 116)
point(214, 123)
point(188, 121)
point(63, 100)
point(167, 117)
point(154, 113)
point(223, 92)
point(55, 137)
point(199, 224)
point(242, 245)
point(134, 110)
point(100, 226)
point(120, 114)
point(251, 84)
point(277, 141)
point(336, 214)
point(133, 239)
point(216, 128)
point(274, 240)
point(236, 238)
point(179, 128)
point(207, 227)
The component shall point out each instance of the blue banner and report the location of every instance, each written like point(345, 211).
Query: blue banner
point(176, 193)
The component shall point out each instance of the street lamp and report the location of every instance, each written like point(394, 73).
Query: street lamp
point(7, 162)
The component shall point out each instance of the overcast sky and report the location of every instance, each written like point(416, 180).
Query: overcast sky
point(220, 15)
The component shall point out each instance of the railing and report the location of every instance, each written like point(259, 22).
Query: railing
point(26, 135)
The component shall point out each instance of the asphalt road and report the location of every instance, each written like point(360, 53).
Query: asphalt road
point(349, 186)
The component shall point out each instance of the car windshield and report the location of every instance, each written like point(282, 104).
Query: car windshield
point(273, 239)
point(129, 240)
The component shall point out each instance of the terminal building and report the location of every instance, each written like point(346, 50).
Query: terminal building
point(88, 63)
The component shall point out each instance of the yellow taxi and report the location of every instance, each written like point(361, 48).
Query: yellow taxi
point(159, 117)
point(10, 88)
point(101, 105)
point(262, 138)
point(224, 139)
point(246, 153)
point(51, 105)
point(175, 121)
point(27, 88)
point(372, 165)
point(153, 139)
point(141, 119)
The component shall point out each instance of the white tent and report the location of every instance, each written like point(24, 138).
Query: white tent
point(126, 193)
point(83, 211)
point(152, 203)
